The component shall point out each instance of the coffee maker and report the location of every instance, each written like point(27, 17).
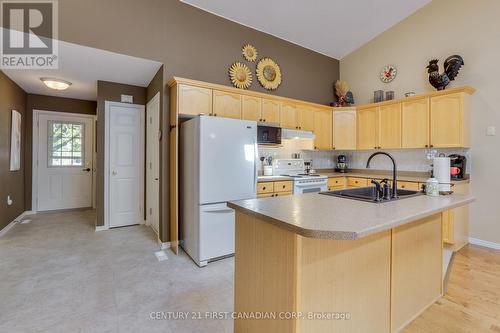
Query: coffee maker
point(341, 164)
point(458, 165)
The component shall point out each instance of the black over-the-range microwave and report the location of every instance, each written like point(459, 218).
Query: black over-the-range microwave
point(268, 135)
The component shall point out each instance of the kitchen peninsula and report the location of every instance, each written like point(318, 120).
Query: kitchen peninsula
point(376, 266)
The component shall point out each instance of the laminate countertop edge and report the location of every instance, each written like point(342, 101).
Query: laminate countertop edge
point(357, 220)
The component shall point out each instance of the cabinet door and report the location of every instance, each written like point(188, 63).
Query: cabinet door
point(194, 100)
point(323, 123)
point(251, 108)
point(305, 118)
point(227, 105)
point(367, 128)
point(344, 130)
point(447, 121)
point(390, 126)
point(415, 124)
point(288, 116)
point(271, 111)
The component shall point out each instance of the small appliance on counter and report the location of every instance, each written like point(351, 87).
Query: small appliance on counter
point(458, 165)
point(342, 165)
point(441, 171)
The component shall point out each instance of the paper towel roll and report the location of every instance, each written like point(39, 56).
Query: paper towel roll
point(442, 173)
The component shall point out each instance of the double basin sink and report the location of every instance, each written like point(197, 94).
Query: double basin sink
point(369, 194)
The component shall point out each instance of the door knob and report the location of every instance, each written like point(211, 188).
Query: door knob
point(114, 173)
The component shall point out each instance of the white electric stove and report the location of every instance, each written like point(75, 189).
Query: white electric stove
point(302, 183)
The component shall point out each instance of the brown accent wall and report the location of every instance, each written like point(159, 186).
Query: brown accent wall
point(194, 44)
point(12, 97)
point(109, 91)
point(47, 103)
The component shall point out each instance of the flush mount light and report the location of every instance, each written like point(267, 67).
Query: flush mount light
point(56, 84)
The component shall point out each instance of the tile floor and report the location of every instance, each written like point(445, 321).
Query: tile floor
point(58, 275)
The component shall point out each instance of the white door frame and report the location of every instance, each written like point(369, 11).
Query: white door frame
point(155, 99)
point(34, 157)
point(142, 157)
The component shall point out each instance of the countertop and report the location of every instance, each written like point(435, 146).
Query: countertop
point(320, 216)
point(409, 176)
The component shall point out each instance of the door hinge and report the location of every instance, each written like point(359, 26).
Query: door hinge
point(150, 211)
point(150, 166)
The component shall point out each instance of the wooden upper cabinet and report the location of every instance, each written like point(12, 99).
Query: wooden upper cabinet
point(305, 118)
point(415, 123)
point(251, 108)
point(389, 128)
point(344, 129)
point(194, 100)
point(288, 115)
point(367, 128)
point(226, 105)
point(323, 124)
point(270, 111)
point(447, 117)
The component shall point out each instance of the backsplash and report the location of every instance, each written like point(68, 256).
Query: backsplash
point(407, 160)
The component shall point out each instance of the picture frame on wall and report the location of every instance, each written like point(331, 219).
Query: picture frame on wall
point(15, 142)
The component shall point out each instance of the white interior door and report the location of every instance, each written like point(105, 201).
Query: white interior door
point(153, 163)
point(125, 163)
point(64, 161)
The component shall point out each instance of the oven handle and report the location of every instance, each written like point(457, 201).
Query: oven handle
point(311, 185)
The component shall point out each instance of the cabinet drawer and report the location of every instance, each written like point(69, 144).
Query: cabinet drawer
point(267, 187)
point(357, 182)
point(337, 182)
point(265, 195)
point(280, 194)
point(284, 186)
point(408, 186)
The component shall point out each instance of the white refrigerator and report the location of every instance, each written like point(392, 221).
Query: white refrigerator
point(217, 164)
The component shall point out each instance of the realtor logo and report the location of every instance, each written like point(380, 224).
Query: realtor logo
point(29, 34)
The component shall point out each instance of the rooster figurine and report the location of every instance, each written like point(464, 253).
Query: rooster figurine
point(452, 66)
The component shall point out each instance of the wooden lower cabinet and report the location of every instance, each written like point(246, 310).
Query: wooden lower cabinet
point(274, 189)
point(381, 282)
point(413, 186)
point(357, 182)
point(337, 183)
point(417, 269)
point(456, 222)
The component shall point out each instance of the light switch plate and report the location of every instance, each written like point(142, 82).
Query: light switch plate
point(491, 131)
point(127, 99)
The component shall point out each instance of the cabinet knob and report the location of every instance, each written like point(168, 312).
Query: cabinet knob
point(284, 186)
point(432, 146)
point(265, 120)
point(215, 114)
point(426, 146)
point(264, 188)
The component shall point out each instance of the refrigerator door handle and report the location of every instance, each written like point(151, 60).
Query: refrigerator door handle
point(221, 211)
point(255, 168)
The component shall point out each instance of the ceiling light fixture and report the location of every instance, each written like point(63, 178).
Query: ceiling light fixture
point(56, 84)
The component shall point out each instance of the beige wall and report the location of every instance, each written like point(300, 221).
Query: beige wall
point(442, 28)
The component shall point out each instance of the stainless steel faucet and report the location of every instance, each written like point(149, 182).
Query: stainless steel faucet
point(394, 194)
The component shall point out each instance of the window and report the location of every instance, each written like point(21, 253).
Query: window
point(66, 144)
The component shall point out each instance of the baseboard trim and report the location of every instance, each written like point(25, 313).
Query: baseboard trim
point(484, 243)
point(101, 228)
point(164, 246)
point(16, 220)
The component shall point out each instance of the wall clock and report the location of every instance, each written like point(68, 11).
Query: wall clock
point(388, 73)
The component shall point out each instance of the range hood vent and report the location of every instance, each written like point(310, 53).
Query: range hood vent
point(297, 134)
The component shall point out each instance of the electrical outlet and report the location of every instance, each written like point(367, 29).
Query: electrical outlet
point(491, 131)
point(9, 201)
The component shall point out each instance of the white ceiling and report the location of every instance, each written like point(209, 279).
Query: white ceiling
point(332, 27)
point(83, 67)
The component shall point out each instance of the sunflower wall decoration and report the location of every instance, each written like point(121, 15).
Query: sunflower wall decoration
point(249, 52)
point(240, 75)
point(268, 73)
